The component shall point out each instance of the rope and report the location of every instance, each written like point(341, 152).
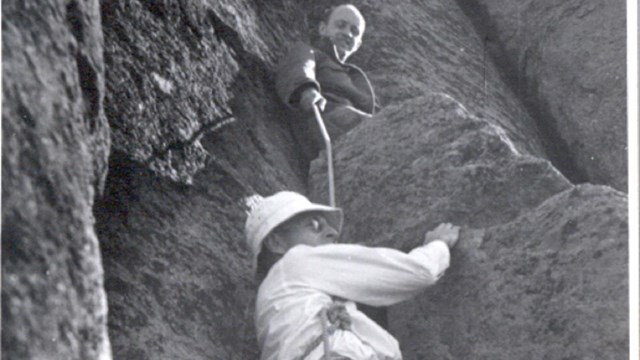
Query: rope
point(324, 319)
point(334, 317)
point(327, 144)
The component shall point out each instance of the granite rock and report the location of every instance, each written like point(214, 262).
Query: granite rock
point(551, 284)
point(55, 142)
point(567, 62)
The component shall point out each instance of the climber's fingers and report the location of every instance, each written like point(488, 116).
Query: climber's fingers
point(446, 232)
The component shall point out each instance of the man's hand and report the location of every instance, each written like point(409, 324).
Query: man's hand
point(311, 97)
point(446, 232)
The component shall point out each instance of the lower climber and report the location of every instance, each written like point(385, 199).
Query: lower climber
point(309, 283)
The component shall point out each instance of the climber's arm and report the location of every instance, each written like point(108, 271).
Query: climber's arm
point(373, 276)
point(296, 74)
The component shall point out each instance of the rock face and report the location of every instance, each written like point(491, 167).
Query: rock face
point(184, 91)
point(551, 284)
point(566, 60)
point(54, 156)
point(176, 270)
point(174, 72)
point(430, 46)
point(540, 270)
point(196, 128)
point(430, 153)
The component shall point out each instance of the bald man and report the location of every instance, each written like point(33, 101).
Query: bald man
point(320, 75)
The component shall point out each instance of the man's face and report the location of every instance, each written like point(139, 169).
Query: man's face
point(307, 229)
point(344, 29)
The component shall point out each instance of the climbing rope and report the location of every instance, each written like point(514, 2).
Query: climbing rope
point(333, 317)
point(329, 151)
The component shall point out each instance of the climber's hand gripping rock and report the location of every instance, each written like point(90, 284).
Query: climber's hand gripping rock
point(446, 232)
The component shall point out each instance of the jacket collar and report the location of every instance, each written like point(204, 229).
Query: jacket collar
point(327, 47)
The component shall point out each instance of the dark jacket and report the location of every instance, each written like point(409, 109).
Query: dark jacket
point(340, 83)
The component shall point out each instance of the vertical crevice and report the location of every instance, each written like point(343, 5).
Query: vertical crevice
point(87, 74)
point(557, 150)
point(74, 19)
point(90, 91)
point(119, 190)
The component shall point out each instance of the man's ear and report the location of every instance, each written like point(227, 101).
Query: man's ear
point(276, 243)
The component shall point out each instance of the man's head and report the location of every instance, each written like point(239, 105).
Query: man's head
point(309, 228)
point(344, 27)
point(288, 219)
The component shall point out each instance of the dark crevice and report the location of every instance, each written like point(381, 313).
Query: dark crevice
point(25, 115)
point(223, 31)
point(255, 75)
point(155, 7)
point(12, 243)
point(90, 91)
point(556, 149)
point(88, 76)
point(119, 189)
point(74, 18)
point(108, 14)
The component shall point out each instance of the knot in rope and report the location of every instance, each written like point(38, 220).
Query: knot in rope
point(338, 317)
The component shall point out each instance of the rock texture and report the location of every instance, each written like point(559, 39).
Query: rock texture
point(196, 128)
point(184, 91)
point(431, 153)
point(551, 284)
point(431, 46)
point(566, 60)
point(55, 141)
point(176, 267)
point(540, 271)
point(174, 72)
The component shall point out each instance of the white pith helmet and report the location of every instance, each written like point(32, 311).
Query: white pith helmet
point(266, 213)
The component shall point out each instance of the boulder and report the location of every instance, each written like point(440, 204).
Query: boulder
point(55, 142)
point(540, 270)
point(567, 62)
point(430, 153)
point(551, 284)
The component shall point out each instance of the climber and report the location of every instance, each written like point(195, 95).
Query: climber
point(319, 75)
point(305, 274)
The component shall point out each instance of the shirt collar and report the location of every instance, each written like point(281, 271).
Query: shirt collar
point(327, 47)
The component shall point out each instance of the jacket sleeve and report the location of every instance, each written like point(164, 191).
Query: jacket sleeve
point(372, 276)
point(295, 72)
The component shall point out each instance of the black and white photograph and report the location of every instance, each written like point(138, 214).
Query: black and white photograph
point(319, 180)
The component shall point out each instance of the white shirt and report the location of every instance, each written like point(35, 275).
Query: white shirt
point(301, 284)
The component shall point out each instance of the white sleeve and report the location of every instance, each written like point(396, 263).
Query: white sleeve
point(373, 276)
